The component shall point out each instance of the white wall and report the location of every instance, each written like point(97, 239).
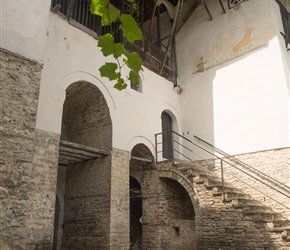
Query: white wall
point(72, 55)
point(24, 27)
point(236, 99)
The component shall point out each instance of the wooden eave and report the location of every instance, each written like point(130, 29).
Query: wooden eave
point(70, 152)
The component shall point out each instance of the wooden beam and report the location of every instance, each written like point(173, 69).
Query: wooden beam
point(82, 147)
point(141, 159)
point(188, 14)
point(179, 6)
point(223, 8)
point(207, 10)
point(70, 152)
point(150, 27)
point(158, 28)
point(76, 155)
point(70, 159)
point(70, 9)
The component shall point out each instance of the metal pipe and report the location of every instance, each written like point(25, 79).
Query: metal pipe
point(223, 182)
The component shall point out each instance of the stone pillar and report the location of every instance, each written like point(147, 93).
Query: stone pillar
point(28, 162)
point(120, 202)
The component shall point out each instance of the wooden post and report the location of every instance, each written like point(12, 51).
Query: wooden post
point(158, 28)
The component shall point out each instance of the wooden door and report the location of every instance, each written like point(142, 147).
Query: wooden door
point(167, 146)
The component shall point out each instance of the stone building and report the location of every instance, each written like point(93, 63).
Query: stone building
point(195, 157)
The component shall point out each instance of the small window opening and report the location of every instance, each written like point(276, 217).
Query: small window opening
point(177, 231)
point(137, 87)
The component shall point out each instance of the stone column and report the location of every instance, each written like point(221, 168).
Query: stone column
point(120, 201)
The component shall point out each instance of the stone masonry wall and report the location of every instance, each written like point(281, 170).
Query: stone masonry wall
point(87, 205)
point(177, 216)
point(148, 180)
point(28, 159)
point(274, 163)
point(226, 224)
point(86, 117)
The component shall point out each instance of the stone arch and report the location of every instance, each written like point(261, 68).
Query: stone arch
point(169, 109)
point(144, 172)
point(50, 110)
point(169, 137)
point(86, 77)
point(86, 122)
point(86, 117)
point(141, 140)
point(142, 151)
point(178, 214)
point(174, 175)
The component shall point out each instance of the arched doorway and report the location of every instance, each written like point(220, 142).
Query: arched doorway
point(167, 142)
point(83, 173)
point(143, 183)
point(135, 214)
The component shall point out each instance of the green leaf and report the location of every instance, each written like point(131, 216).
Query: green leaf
point(130, 29)
point(109, 70)
point(106, 43)
point(120, 85)
point(130, 1)
point(119, 50)
point(99, 7)
point(133, 61)
point(108, 47)
point(109, 17)
point(133, 77)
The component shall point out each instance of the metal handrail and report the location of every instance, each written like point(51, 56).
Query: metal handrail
point(222, 161)
point(241, 162)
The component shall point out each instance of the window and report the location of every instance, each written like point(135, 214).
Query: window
point(137, 87)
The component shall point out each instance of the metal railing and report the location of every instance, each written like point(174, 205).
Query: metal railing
point(183, 148)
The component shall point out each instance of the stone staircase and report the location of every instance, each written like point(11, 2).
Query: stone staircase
point(229, 212)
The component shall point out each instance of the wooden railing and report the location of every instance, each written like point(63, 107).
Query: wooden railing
point(78, 14)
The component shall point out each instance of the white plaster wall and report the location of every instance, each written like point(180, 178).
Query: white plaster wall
point(24, 27)
point(236, 100)
point(72, 55)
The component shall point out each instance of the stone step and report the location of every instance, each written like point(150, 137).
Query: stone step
point(207, 177)
point(281, 222)
point(242, 202)
point(227, 189)
point(233, 195)
point(256, 209)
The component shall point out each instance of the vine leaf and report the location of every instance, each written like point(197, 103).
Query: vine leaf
point(109, 17)
point(133, 61)
point(106, 43)
point(119, 50)
point(100, 8)
point(130, 29)
point(109, 70)
point(133, 77)
point(120, 85)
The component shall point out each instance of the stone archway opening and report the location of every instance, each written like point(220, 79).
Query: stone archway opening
point(142, 172)
point(135, 214)
point(84, 170)
point(177, 216)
